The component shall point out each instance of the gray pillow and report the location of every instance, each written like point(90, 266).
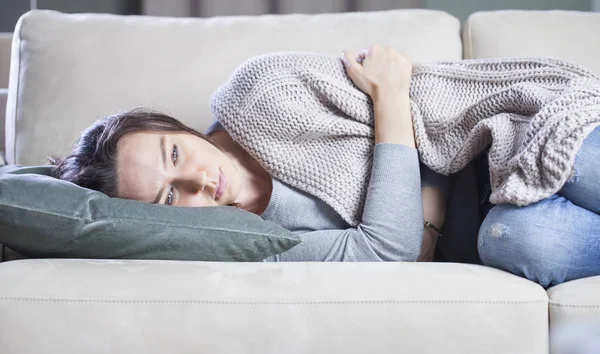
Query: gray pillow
point(41, 216)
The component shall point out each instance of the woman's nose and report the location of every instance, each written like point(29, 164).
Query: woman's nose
point(192, 179)
point(197, 181)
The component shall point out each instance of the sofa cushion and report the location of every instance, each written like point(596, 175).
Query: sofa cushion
point(79, 306)
point(575, 316)
point(69, 70)
point(566, 35)
point(41, 216)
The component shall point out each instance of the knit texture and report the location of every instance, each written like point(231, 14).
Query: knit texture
point(303, 118)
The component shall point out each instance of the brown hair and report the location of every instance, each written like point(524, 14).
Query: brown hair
point(92, 163)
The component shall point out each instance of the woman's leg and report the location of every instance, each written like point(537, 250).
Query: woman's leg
point(549, 242)
point(585, 189)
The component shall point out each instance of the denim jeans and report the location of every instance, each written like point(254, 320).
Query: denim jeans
point(554, 240)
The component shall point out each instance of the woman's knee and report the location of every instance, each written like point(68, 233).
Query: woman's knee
point(546, 242)
point(583, 189)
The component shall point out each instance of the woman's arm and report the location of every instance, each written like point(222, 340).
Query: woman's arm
point(391, 228)
point(385, 75)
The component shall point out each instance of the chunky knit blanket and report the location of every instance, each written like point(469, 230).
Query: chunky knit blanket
point(303, 119)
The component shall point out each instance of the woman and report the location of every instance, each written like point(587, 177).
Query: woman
point(151, 157)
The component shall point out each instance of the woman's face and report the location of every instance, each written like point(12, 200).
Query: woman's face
point(177, 169)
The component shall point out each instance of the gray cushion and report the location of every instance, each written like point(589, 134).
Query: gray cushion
point(41, 216)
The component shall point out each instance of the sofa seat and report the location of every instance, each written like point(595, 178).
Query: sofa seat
point(114, 306)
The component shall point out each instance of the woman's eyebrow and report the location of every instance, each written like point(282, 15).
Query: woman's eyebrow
point(163, 155)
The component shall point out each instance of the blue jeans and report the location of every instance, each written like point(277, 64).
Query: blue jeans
point(556, 239)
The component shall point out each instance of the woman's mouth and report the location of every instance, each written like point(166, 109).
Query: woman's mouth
point(221, 184)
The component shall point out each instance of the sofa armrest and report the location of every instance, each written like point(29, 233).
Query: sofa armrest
point(94, 306)
point(3, 98)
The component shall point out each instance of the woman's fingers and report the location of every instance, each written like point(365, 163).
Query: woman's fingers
point(354, 69)
point(350, 60)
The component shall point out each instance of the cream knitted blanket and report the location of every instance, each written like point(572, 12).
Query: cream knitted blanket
point(301, 116)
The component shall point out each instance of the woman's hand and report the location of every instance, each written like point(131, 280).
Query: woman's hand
point(385, 75)
point(379, 71)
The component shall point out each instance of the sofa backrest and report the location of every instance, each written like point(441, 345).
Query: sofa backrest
point(565, 35)
point(69, 70)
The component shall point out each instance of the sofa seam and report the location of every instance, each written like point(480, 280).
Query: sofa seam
point(275, 303)
point(556, 304)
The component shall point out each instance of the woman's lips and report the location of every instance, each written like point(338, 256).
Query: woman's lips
point(220, 185)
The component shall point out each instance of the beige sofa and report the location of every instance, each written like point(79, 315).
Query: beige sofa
point(68, 70)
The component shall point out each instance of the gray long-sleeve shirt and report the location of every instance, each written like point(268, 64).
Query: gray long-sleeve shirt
point(392, 224)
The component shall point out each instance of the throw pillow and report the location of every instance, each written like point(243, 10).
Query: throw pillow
point(41, 216)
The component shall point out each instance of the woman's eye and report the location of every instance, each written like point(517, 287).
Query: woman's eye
point(169, 200)
point(175, 154)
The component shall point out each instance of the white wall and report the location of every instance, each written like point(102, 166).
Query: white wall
point(11, 10)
